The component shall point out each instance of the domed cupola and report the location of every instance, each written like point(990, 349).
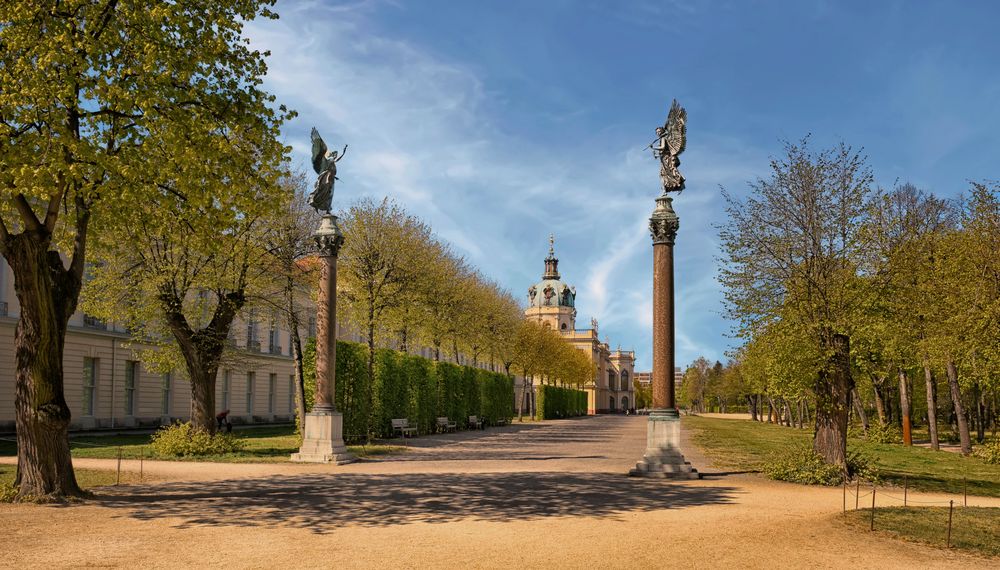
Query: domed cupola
point(551, 291)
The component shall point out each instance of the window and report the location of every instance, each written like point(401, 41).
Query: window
point(250, 381)
point(272, 385)
point(131, 380)
point(611, 380)
point(165, 395)
point(273, 341)
point(89, 385)
point(291, 394)
point(625, 385)
point(253, 343)
point(562, 326)
point(226, 387)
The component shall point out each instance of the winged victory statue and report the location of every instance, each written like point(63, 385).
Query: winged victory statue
point(324, 163)
point(669, 144)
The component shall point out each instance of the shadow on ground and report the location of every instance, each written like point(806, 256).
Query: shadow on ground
point(322, 503)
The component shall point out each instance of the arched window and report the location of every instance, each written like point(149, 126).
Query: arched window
point(612, 402)
point(563, 327)
point(625, 380)
point(611, 380)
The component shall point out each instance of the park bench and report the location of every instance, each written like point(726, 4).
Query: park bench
point(475, 423)
point(443, 423)
point(402, 425)
point(501, 422)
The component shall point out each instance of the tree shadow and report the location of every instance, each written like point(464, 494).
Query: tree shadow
point(323, 503)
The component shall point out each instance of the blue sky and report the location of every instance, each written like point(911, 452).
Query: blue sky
point(502, 122)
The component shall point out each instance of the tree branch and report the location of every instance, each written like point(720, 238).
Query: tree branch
point(31, 222)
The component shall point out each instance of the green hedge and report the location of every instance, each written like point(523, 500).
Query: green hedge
point(412, 387)
point(554, 403)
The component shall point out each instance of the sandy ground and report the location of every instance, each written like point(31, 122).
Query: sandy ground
point(550, 495)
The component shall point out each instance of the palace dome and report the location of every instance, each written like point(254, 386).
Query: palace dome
point(551, 291)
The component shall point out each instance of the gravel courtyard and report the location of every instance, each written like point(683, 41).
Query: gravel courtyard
point(546, 494)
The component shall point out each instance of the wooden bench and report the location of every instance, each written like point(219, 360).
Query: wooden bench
point(443, 423)
point(501, 422)
point(475, 423)
point(402, 425)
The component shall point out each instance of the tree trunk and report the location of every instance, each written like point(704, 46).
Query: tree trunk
point(859, 409)
point(47, 295)
point(833, 401)
point(880, 407)
point(300, 378)
point(980, 415)
point(956, 398)
point(905, 408)
point(752, 407)
point(931, 406)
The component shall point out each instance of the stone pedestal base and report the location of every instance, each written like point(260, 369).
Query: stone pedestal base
point(324, 440)
point(663, 458)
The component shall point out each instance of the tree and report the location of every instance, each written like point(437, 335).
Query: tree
point(385, 253)
point(792, 250)
point(108, 105)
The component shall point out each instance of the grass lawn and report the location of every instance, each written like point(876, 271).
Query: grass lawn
point(974, 529)
point(261, 445)
point(746, 445)
point(86, 478)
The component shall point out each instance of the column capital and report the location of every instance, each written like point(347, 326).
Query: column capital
point(328, 237)
point(664, 223)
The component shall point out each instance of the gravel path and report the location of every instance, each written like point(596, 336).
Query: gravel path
point(547, 494)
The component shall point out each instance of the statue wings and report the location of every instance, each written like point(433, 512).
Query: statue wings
point(318, 152)
point(675, 128)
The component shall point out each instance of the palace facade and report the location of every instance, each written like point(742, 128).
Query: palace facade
point(553, 303)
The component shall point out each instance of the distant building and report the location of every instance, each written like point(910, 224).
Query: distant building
point(646, 378)
point(553, 303)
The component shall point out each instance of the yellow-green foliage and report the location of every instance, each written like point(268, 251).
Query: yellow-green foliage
point(182, 440)
point(989, 452)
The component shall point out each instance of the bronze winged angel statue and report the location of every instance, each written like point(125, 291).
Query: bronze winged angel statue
point(325, 164)
point(670, 142)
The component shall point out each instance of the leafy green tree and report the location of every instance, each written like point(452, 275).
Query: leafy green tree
point(792, 249)
point(106, 107)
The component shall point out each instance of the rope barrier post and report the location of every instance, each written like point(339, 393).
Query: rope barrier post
point(857, 494)
point(906, 487)
point(142, 453)
point(965, 491)
point(118, 476)
point(845, 495)
point(873, 507)
point(951, 509)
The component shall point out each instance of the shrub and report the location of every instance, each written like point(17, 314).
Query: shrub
point(884, 433)
point(554, 402)
point(803, 465)
point(183, 440)
point(7, 493)
point(989, 452)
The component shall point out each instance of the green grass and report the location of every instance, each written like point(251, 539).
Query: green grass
point(975, 529)
point(746, 445)
point(261, 445)
point(86, 478)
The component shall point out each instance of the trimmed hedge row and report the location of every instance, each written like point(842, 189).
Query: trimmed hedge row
point(412, 387)
point(554, 403)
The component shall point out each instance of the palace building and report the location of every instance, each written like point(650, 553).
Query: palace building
point(553, 303)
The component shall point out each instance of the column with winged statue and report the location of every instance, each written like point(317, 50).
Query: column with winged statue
point(323, 429)
point(663, 457)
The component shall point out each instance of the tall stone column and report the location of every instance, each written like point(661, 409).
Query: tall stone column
point(323, 432)
point(663, 457)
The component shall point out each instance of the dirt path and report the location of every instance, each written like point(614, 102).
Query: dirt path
point(545, 495)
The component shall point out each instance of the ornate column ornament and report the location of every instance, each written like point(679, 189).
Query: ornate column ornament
point(328, 236)
point(664, 223)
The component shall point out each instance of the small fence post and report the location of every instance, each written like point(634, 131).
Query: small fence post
point(845, 495)
point(857, 494)
point(873, 507)
point(951, 509)
point(118, 476)
point(142, 454)
point(965, 491)
point(906, 487)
